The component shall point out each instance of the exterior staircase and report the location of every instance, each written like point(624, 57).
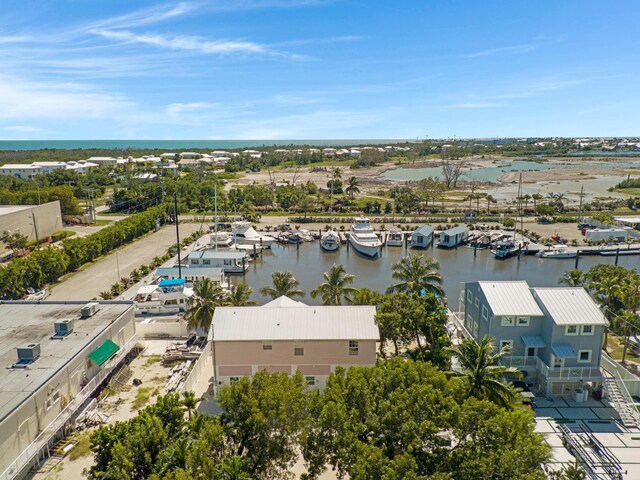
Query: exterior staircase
point(622, 402)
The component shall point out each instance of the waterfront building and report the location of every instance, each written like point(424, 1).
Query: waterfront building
point(53, 356)
point(191, 274)
point(454, 236)
point(422, 237)
point(20, 170)
point(555, 333)
point(230, 261)
point(285, 335)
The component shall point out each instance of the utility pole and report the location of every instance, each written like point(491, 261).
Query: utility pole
point(35, 228)
point(175, 214)
point(580, 205)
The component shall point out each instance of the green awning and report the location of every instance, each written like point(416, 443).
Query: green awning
point(104, 352)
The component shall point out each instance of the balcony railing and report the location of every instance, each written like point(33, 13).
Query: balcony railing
point(28, 454)
point(554, 373)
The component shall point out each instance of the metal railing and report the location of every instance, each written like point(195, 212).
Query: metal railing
point(459, 324)
point(553, 373)
point(42, 440)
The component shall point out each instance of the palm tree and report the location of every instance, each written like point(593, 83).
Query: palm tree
point(352, 186)
point(335, 286)
point(536, 197)
point(481, 371)
point(526, 199)
point(240, 295)
point(233, 468)
point(629, 323)
point(573, 278)
point(416, 274)
point(106, 295)
point(207, 295)
point(190, 402)
point(490, 199)
point(284, 283)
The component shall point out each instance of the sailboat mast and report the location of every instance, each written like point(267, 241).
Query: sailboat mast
point(215, 215)
point(175, 214)
point(580, 206)
point(520, 200)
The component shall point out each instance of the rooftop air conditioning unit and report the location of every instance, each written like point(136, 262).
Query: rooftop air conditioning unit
point(89, 310)
point(63, 328)
point(28, 353)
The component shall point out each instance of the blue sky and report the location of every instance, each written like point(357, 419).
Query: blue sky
point(305, 69)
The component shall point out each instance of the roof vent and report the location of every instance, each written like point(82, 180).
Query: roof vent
point(62, 328)
point(27, 354)
point(89, 310)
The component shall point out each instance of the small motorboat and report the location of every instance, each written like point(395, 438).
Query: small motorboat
point(558, 251)
point(395, 237)
point(330, 241)
point(505, 249)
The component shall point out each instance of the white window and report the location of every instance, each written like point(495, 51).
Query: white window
point(469, 296)
point(311, 381)
point(584, 356)
point(353, 347)
point(477, 302)
point(522, 321)
point(267, 345)
point(508, 321)
point(298, 348)
point(194, 261)
point(206, 261)
point(56, 396)
point(506, 343)
point(587, 330)
point(485, 312)
point(571, 330)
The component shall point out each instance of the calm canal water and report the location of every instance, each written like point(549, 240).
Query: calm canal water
point(309, 262)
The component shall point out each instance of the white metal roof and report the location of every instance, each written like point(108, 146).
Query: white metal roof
point(570, 306)
point(304, 323)
point(510, 298)
point(284, 301)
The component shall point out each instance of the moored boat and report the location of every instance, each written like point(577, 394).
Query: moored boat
point(395, 237)
point(363, 239)
point(330, 241)
point(559, 251)
point(505, 249)
point(245, 234)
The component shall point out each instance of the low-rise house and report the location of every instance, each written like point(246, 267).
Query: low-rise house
point(192, 155)
point(454, 236)
point(555, 333)
point(82, 167)
point(53, 356)
point(422, 237)
point(288, 336)
point(46, 167)
point(194, 274)
point(606, 234)
point(102, 161)
point(230, 261)
point(22, 171)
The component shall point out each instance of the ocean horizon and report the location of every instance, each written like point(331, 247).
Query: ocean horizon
point(12, 145)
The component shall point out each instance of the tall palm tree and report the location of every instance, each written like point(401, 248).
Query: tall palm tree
point(353, 186)
point(480, 369)
point(573, 278)
point(190, 402)
point(207, 295)
point(240, 295)
point(335, 286)
point(536, 197)
point(233, 468)
point(416, 273)
point(284, 283)
point(490, 199)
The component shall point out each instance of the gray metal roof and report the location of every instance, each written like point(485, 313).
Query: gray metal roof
point(457, 230)
point(425, 230)
point(33, 322)
point(570, 306)
point(510, 298)
point(302, 323)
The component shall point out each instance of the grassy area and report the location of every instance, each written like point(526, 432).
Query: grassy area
point(628, 191)
point(82, 447)
point(102, 223)
point(152, 359)
point(142, 398)
point(615, 348)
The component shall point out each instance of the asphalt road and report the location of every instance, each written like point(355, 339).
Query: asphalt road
point(99, 276)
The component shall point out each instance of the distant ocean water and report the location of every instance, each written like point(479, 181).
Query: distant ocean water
point(179, 144)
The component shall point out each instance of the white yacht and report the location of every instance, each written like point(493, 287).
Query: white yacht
point(245, 234)
point(330, 241)
point(559, 251)
point(169, 297)
point(363, 239)
point(220, 240)
point(395, 237)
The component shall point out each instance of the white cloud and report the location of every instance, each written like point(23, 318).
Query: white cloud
point(191, 43)
point(38, 100)
point(22, 128)
point(179, 108)
point(529, 47)
point(146, 16)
